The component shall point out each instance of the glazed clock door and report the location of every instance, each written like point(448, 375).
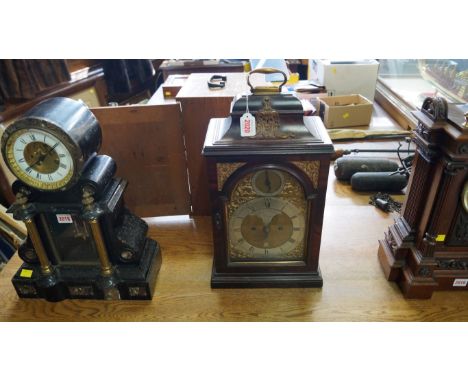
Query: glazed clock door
point(266, 219)
point(69, 239)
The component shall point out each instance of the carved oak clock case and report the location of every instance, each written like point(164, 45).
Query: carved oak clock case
point(267, 193)
point(427, 247)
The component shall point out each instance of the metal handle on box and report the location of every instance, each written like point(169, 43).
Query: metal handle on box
point(266, 89)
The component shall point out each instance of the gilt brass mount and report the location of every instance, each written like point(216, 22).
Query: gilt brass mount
point(266, 89)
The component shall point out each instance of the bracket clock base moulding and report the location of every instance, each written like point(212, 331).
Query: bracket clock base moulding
point(82, 241)
point(267, 192)
point(427, 247)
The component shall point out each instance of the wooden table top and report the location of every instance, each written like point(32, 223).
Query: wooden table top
point(197, 87)
point(354, 285)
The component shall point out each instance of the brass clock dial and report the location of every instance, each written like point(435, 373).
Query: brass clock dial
point(268, 182)
point(266, 217)
point(268, 228)
point(39, 159)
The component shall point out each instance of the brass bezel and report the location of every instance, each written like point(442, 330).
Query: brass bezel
point(21, 126)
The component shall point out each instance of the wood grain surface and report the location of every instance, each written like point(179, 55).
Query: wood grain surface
point(147, 145)
point(354, 288)
point(200, 104)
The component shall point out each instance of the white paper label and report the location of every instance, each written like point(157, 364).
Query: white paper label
point(247, 123)
point(460, 282)
point(64, 218)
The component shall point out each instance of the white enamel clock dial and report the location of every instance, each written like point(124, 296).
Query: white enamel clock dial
point(39, 159)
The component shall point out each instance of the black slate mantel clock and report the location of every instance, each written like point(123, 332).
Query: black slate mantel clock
point(267, 191)
point(82, 241)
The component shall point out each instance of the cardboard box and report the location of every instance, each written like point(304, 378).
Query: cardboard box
point(345, 111)
point(345, 77)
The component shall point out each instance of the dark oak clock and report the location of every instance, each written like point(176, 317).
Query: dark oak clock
point(82, 241)
point(427, 247)
point(267, 191)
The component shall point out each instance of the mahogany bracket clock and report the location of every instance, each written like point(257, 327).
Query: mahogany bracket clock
point(427, 247)
point(82, 241)
point(268, 169)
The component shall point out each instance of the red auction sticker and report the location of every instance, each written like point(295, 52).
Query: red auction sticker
point(64, 218)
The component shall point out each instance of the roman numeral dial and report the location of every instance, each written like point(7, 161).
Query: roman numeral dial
point(267, 218)
point(39, 159)
point(267, 227)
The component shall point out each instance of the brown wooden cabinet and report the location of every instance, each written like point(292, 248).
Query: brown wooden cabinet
point(146, 141)
point(199, 104)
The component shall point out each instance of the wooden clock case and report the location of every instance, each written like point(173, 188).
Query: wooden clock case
point(427, 247)
point(300, 147)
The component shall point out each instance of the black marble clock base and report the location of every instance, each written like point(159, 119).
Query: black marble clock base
point(265, 280)
point(127, 282)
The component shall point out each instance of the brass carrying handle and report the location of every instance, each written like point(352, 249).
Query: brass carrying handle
point(266, 89)
point(464, 197)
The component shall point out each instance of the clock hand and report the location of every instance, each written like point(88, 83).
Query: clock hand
point(267, 181)
point(43, 156)
point(267, 230)
point(51, 149)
